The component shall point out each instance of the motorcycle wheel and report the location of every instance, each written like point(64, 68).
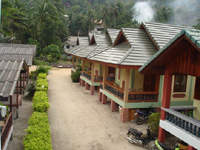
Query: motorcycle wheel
point(152, 146)
point(131, 136)
point(139, 121)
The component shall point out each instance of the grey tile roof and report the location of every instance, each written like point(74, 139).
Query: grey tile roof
point(9, 74)
point(85, 51)
point(17, 52)
point(192, 34)
point(112, 33)
point(112, 55)
point(136, 52)
point(83, 42)
point(162, 33)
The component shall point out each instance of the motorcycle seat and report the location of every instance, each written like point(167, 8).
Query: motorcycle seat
point(136, 132)
point(165, 147)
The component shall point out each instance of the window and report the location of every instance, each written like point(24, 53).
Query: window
point(197, 89)
point(180, 83)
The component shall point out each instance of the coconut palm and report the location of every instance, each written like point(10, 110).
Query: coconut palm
point(40, 13)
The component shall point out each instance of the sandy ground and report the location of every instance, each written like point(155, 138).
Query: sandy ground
point(20, 125)
point(78, 121)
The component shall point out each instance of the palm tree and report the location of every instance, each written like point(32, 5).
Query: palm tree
point(40, 13)
point(90, 19)
point(116, 10)
point(13, 20)
point(104, 13)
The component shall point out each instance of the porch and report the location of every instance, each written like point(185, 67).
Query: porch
point(182, 126)
point(134, 95)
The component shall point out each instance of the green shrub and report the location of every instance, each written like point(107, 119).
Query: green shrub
point(43, 69)
point(40, 101)
point(41, 85)
point(153, 122)
point(38, 133)
point(40, 62)
point(31, 89)
point(75, 76)
point(42, 76)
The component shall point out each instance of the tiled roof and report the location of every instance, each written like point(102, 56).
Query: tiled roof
point(192, 34)
point(112, 33)
point(17, 52)
point(83, 42)
point(136, 52)
point(9, 74)
point(112, 55)
point(162, 33)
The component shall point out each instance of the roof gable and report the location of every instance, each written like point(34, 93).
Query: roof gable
point(182, 42)
point(161, 33)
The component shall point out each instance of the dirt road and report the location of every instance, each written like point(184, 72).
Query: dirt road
point(78, 121)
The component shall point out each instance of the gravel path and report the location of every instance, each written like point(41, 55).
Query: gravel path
point(78, 121)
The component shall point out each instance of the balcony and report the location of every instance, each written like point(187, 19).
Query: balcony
point(6, 129)
point(184, 127)
point(98, 78)
point(87, 74)
point(114, 89)
point(137, 96)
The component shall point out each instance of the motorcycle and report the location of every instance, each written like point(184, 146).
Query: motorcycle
point(142, 115)
point(136, 137)
point(161, 146)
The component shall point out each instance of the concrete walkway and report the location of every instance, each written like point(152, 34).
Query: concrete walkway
point(78, 121)
point(20, 125)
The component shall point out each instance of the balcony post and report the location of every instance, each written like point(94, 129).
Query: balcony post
point(72, 60)
point(83, 66)
point(127, 82)
point(76, 63)
point(105, 75)
point(92, 88)
point(166, 98)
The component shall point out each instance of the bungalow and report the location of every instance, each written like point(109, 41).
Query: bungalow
point(10, 94)
point(18, 52)
point(81, 43)
point(128, 88)
point(180, 56)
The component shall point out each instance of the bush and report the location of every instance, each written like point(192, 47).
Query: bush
point(153, 122)
point(31, 89)
point(40, 62)
point(40, 101)
point(38, 133)
point(76, 76)
point(43, 69)
point(41, 85)
point(51, 52)
point(42, 76)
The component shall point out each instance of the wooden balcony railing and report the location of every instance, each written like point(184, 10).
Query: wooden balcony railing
point(184, 122)
point(115, 90)
point(87, 75)
point(111, 78)
point(6, 130)
point(143, 97)
point(98, 78)
point(101, 86)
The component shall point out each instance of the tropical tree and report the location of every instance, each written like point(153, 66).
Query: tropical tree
point(40, 13)
point(90, 19)
point(163, 14)
point(116, 11)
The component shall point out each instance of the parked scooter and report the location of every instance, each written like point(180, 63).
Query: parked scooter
point(136, 137)
point(161, 146)
point(142, 115)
